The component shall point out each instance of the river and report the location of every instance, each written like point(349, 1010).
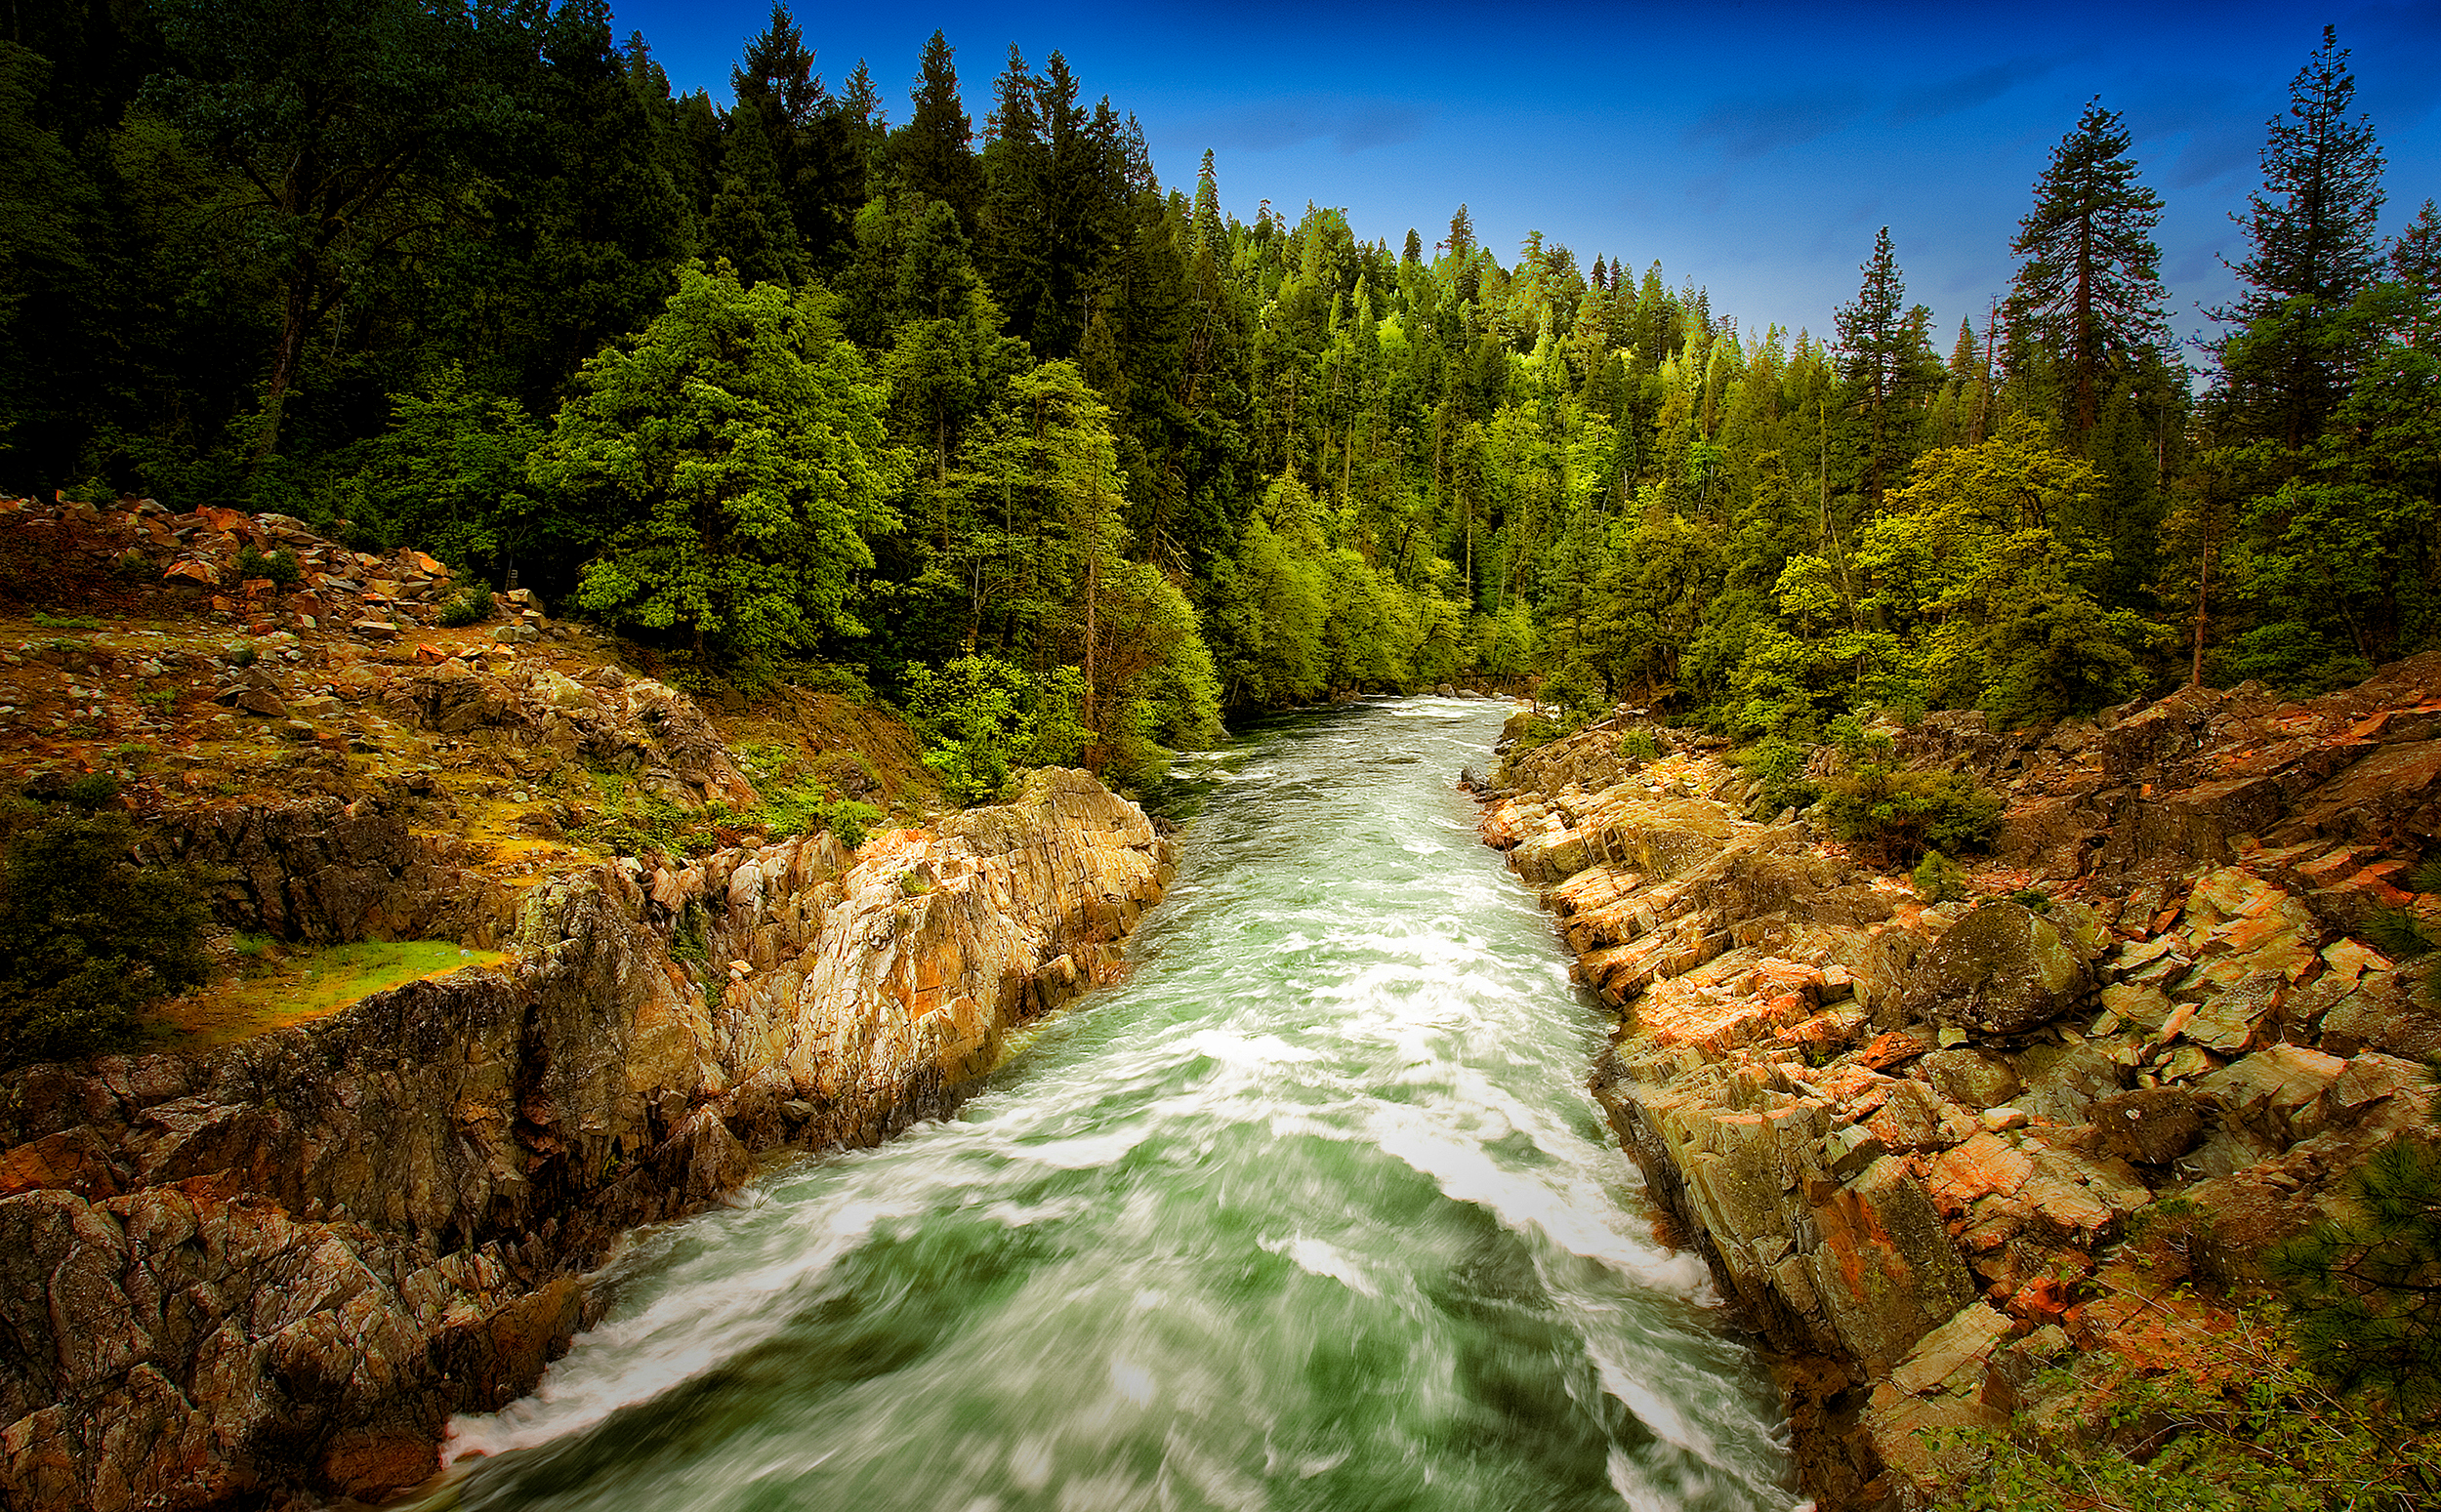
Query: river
point(1313, 1212)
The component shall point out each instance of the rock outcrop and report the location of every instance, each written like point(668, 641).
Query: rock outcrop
point(1900, 1134)
point(285, 1262)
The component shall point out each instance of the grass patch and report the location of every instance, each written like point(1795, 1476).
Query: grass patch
point(277, 986)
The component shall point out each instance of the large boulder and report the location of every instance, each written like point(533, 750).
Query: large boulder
point(2002, 969)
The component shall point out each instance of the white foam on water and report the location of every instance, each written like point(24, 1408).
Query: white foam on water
point(1320, 1258)
point(691, 1327)
point(1359, 997)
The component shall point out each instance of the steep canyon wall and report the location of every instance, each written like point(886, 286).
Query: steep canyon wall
point(285, 1263)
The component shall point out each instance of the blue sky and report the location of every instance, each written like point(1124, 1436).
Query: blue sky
point(1753, 146)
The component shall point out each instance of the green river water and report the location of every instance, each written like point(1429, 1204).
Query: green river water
point(1312, 1213)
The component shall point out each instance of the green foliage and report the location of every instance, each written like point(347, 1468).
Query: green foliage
point(850, 821)
point(637, 823)
point(1971, 567)
point(279, 567)
point(1939, 879)
point(1900, 815)
point(2242, 1428)
point(93, 791)
point(2366, 1290)
point(1858, 744)
point(66, 620)
point(449, 478)
point(93, 938)
point(243, 653)
point(1780, 766)
point(981, 718)
point(470, 605)
point(793, 801)
point(734, 454)
point(2034, 899)
point(1640, 745)
point(687, 934)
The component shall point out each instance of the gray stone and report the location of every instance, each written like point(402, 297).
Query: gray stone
point(2149, 1126)
point(2002, 969)
point(1969, 1078)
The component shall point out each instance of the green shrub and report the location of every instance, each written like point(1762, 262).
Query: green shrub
point(1639, 745)
point(280, 566)
point(1780, 765)
point(94, 789)
point(637, 823)
point(2407, 938)
point(687, 933)
point(2244, 1427)
point(471, 605)
point(1939, 879)
point(850, 821)
point(66, 620)
point(981, 716)
point(1858, 744)
point(93, 938)
point(2034, 898)
point(243, 654)
point(1900, 815)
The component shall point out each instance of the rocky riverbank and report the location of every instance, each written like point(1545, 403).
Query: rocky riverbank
point(1908, 1139)
point(236, 1275)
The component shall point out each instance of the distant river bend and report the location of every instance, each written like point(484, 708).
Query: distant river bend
point(1312, 1213)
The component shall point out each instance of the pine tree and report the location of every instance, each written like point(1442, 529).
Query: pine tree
point(1882, 359)
point(776, 75)
point(750, 224)
point(2416, 268)
point(2089, 288)
point(2313, 230)
point(933, 153)
point(1461, 242)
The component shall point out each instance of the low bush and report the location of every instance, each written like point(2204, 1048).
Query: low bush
point(93, 938)
point(279, 567)
point(1779, 764)
point(1900, 815)
point(2241, 1426)
point(984, 719)
point(1939, 879)
point(471, 605)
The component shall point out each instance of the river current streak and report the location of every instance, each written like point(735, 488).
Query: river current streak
point(1312, 1213)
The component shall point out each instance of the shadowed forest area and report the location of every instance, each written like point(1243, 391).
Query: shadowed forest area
point(946, 395)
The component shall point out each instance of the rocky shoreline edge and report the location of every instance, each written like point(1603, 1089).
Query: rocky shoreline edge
point(1909, 1140)
point(273, 1270)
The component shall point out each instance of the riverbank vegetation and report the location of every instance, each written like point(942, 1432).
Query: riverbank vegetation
point(955, 394)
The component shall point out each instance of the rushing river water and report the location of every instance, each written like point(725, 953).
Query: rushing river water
point(1312, 1213)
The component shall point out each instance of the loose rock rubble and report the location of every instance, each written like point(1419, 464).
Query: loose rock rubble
point(1901, 1134)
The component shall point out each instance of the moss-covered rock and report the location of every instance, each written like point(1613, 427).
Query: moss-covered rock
point(2002, 969)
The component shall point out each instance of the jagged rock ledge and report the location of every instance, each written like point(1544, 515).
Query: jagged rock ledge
point(1905, 1138)
point(285, 1263)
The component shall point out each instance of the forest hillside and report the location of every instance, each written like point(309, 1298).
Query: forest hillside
point(950, 394)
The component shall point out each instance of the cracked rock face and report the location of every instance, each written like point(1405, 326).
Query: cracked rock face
point(1900, 1134)
point(286, 1262)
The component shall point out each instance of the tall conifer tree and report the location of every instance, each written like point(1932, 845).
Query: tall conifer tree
point(2088, 294)
point(2313, 230)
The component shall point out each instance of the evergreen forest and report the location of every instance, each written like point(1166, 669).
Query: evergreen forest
point(944, 393)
